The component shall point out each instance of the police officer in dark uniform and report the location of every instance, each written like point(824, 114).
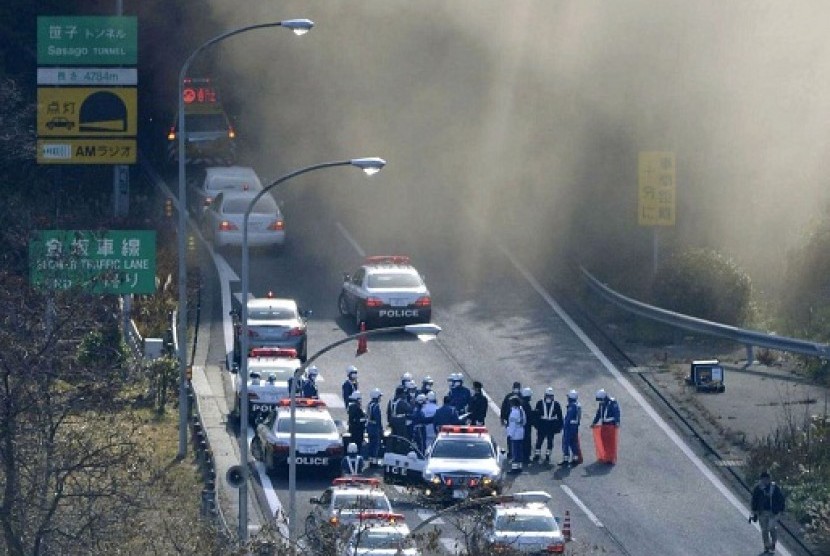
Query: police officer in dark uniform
point(477, 405)
point(374, 426)
point(310, 384)
point(398, 416)
point(445, 415)
point(357, 420)
point(548, 423)
point(350, 384)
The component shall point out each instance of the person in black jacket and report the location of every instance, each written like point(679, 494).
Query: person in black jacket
point(357, 420)
point(767, 506)
point(530, 421)
point(548, 423)
point(477, 405)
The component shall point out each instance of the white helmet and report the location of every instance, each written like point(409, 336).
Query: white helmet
point(312, 371)
point(352, 448)
point(351, 369)
point(431, 396)
point(526, 392)
point(356, 395)
point(421, 398)
point(549, 391)
point(427, 380)
point(406, 376)
point(376, 393)
point(601, 395)
point(573, 394)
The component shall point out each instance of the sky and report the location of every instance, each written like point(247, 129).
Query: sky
point(525, 118)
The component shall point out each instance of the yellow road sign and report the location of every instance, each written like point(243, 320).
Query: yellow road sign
point(86, 151)
point(656, 204)
point(86, 112)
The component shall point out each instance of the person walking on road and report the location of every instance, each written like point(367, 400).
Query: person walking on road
point(767, 506)
point(571, 452)
point(374, 426)
point(478, 405)
point(504, 413)
point(548, 424)
point(357, 420)
point(350, 384)
point(516, 422)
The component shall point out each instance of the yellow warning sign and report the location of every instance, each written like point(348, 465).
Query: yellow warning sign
point(86, 151)
point(656, 205)
point(86, 112)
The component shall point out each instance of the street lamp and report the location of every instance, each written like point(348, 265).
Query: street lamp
point(370, 166)
point(424, 332)
point(299, 27)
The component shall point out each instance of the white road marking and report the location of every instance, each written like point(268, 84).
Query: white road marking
point(273, 500)
point(582, 506)
point(696, 461)
point(350, 239)
point(496, 409)
point(226, 275)
point(424, 515)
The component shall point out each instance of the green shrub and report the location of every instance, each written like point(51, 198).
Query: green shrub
point(705, 284)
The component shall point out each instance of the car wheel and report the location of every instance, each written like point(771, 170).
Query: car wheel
point(343, 304)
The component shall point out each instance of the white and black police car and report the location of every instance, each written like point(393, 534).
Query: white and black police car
point(520, 524)
point(380, 534)
point(269, 371)
point(385, 289)
point(343, 505)
point(319, 443)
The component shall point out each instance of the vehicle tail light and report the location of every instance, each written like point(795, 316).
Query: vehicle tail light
point(277, 226)
point(231, 133)
point(423, 301)
point(226, 226)
point(374, 302)
point(171, 135)
point(334, 450)
point(473, 482)
point(208, 201)
point(448, 482)
point(280, 448)
point(334, 520)
point(296, 332)
point(555, 549)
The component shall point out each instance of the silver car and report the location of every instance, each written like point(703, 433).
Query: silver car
point(273, 322)
point(525, 526)
point(218, 179)
point(223, 221)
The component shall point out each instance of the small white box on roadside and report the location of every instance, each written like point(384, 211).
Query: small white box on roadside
point(153, 348)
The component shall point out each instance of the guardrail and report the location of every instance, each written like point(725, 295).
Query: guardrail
point(749, 338)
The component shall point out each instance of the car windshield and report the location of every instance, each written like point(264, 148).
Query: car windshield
point(272, 313)
point(361, 502)
point(205, 122)
point(394, 280)
point(525, 523)
point(308, 426)
point(369, 538)
point(270, 374)
point(463, 449)
point(238, 205)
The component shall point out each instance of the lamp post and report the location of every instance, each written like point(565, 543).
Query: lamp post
point(299, 27)
point(370, 166)
point(424, 332)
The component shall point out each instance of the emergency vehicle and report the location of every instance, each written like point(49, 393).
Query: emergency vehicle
point(386, 289)
point(269, 371)
point(341, 506)
point(521, 524)
point(211, 139)
point(380, 533)
point(319, 443)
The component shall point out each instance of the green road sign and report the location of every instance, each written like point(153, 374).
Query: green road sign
point(87, 40)
point(115, 261)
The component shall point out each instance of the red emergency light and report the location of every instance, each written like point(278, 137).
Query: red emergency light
point(302, 403)
point(290, 353)
point(464, 429)
point(381, 516)
point(387, 259)
point(343, 481)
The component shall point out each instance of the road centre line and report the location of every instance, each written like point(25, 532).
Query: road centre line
point(350, 239)
point(567, 490)
point(696, 461)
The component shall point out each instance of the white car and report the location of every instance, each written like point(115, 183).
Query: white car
point(269, 371)
point(380, 534)
point(273, 322)
point(319, 443)
point(524, 526)
point(222, 178)
point(463, 461)
point(222, 223)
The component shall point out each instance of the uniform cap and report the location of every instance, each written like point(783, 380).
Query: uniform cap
point(573, 394)
point(352, 448)
point(351, 369)
point(601, 395)
point(526, 392)
point(406, 376)
point(376, 393)
point(428, 380)
point(549, 391)
point(312, 371)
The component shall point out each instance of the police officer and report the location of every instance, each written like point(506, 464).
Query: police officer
point(310, 383)
point(430, 407)
point(357, 420)
point(571, 452)
point(459, 394)
point(400, 410)
point(352, 464)
point(477, 405)
point(504, 413)
point(350, 384)
point(405, 378)
point(445, 415)
point(530, 420)
point(419, 422)
point(411, 391)
point(548, 423)
point(608, 410)
point(374, 426)
point(427, 385)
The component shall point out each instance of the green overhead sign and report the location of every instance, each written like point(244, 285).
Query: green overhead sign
point(106, 262)
point(87, 40)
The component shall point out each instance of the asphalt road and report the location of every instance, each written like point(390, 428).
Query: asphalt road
point(500, 325)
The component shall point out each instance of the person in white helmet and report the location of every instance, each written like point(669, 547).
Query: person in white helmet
point(350, 384)
point(406, 377)
point(310, 383)
point(571, 452)
point(352, 464)
point(430, 407)
point(515, 432)
point(374, 426)
point(357, 419)
point(607, 419)
point(530, 420)
point(419, 422)
point(608, 410)
point(548, 424)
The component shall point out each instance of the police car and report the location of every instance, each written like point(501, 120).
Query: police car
point(385, 289)
point(463, 461)
point(523, 525)
point(379, 533)
point(269, 371)
point(341, 505)
point(318, 440)
point(273, 322)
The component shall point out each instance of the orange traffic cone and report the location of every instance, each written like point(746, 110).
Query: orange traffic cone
point(566, 526)
point(362, 344)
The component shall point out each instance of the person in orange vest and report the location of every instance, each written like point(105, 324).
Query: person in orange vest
point(607, 416)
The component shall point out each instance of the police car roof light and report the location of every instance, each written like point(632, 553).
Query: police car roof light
point(290, 353)
point(387, 259)
point(340, 481)
point(529, 497)
point(382, 516)
point(464, 429)
point(302, 402)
